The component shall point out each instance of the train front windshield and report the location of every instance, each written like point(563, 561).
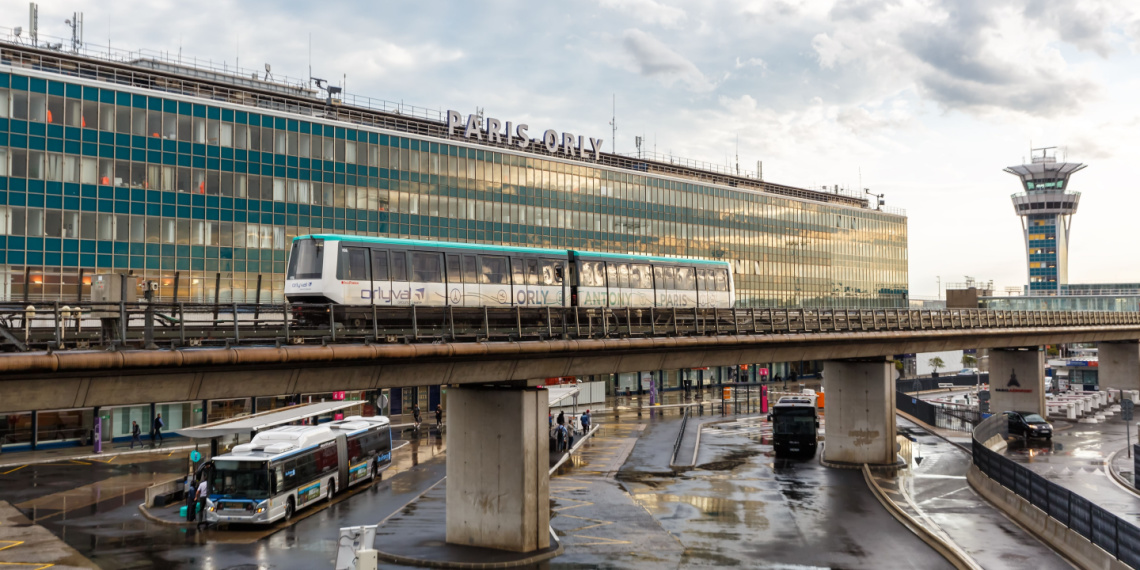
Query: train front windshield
point(794, 422)
point(240, 479)
point(306, 259)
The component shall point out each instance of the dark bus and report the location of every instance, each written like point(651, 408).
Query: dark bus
point(795, 424)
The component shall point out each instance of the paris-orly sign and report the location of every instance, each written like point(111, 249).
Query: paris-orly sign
point(493, 130)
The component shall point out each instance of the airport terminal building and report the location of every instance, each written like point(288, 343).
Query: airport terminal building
point(199, 178)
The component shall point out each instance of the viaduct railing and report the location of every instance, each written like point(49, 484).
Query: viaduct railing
point(61, 325)
point(1116, 536)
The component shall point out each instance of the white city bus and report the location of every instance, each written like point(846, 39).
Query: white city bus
point(290, 467)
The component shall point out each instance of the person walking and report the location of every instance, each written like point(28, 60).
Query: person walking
point(416, 415)
point(562, 418)
point(586, 422)
point(203, 492)
point(439, 417)
point(156, 430)
point(191, 497)
point(136, 434)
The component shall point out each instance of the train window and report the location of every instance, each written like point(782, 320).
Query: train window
point(721, 280)
point(352, 265)
point(685, 279)
point(399, 266)
point(517, 271)
point(379, 265)
point(611, 274)
point(640, 277)
point(551, 274)
point(454, 275)
point(470, 269)
point(623, 275)
point(306, 259)
point(495, 270)
point(532, 272)
point(597, 273)
point(670, 277)
point(658, 277)
point(701, 284)
point(426, 268)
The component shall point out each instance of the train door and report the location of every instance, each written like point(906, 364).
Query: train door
point(702, 288)
point(353, 273)
point(381, 278)
point(591, 283)
point(550, 282)
point(686, 287)
point(494, 280)
point(470, 281)
point(401, 288)
point(533, 290)
point(454, 279)
point(641, 285)
point(719, 283)
point(518, 281)
point(428, 287)
point(659, 297)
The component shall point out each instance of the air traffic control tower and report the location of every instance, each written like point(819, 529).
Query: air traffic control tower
point(1046, 206)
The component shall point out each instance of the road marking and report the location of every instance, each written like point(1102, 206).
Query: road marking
point(603, 541)
point(11, 543)
point(13, 470)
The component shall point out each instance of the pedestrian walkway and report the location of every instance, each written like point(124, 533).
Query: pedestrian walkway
point(39, 456)
point(27, 545)
point(933, 490)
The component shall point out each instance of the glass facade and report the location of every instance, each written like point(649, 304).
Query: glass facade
point(97, 178)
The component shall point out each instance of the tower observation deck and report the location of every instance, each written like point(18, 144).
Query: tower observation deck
point(1046, 206)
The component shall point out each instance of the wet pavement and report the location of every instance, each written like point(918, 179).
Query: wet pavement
point(1078, 459)
point(935, 492)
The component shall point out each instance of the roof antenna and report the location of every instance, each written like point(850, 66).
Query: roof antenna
point(613, 123)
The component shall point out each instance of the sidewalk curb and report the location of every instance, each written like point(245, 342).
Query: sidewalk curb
point(1116, 476)
point(155, 518)
point(697, 445)
point(948, 550)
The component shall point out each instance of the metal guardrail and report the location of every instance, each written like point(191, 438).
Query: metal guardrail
point(680, 437)
point(61, 325)
point(945, 416)
point(1116, 536)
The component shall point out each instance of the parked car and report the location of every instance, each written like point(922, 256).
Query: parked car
point(968, 372)
point(1029, 425)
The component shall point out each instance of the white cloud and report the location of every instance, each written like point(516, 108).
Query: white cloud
point(647, 11)
point(655, 59)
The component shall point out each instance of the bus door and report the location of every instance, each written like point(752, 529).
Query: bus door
point(342, 459)
point(454, 280)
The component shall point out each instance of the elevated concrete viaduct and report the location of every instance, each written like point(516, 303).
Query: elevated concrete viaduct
point(500, 484)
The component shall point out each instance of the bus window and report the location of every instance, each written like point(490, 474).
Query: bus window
point(532, 272)
point(399, 266)
point(494, 270)
point(470, 269)
point(623, 275)
point(379, 265)
point(248, 479)
point(454, 275)
point(353, 264)
point(426, 268)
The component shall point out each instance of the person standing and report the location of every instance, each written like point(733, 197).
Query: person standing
point(191, 498)
point(156, 430)
point(136, 434)
point(203, 492)
point(439, 416)
point(561, 418)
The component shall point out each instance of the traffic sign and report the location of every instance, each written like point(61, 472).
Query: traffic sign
point(195, 456)
point(1126, 406)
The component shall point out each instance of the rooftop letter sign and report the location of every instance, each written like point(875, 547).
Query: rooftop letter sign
point(510, 134)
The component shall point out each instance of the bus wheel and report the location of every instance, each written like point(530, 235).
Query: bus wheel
point(332, 490)
point(376, 473)
point(289, 509)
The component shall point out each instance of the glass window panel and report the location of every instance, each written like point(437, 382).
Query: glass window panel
point(380, 264)
point(399, 266)
point(426, 267)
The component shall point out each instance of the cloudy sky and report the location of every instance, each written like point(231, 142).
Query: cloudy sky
point(923, 100)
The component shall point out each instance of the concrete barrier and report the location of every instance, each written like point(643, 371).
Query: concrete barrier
point(164, 488)
point(1060, 537)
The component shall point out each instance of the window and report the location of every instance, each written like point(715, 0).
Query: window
point(470, 269)
point(623, 275)
point(494, 270)
point(454, 274)
point(532, 272)
point(353, 264)
point(517, 276)
point(721, 279)
point(306, 259)
point(379, 265)
point(426, 268)
point(399, 266)
point(643, 275)
point(685, 279)
point(670, 277)
point(551, 273)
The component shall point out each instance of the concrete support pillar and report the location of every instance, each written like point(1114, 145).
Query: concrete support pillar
point(1119, 365)
point(1017, 380)
point(498, 486)
point(860, 412)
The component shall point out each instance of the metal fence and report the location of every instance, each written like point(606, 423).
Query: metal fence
point(1116, 536)
point(958, 380)
point(59, 325)
point(946, 416)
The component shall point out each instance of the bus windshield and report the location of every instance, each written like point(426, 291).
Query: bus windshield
point(794, 423)
point(306, 259)
point(240, 479)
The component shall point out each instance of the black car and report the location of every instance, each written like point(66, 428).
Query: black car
point(1029, 425)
